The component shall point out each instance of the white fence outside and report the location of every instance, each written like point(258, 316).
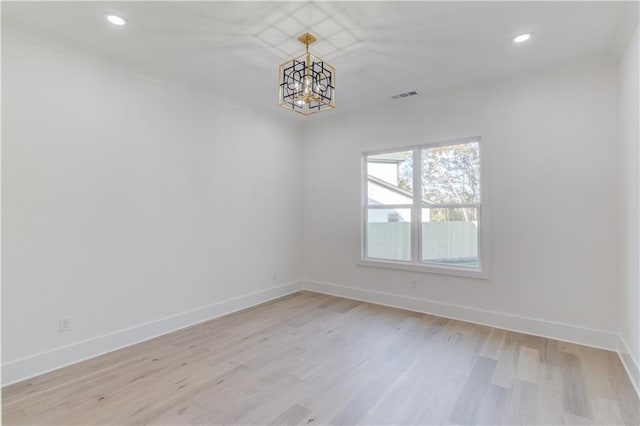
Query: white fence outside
point(450, 242)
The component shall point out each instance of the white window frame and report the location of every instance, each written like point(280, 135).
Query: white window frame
point(415, 264)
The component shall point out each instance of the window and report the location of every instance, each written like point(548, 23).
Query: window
point(422, 209)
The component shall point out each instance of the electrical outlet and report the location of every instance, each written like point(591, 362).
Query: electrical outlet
point(65, 325)
point(413, 283)
point(274, 276)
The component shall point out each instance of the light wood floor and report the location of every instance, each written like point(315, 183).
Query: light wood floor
point(316, 359)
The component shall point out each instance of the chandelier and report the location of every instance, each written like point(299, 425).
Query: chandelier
point(307, 83)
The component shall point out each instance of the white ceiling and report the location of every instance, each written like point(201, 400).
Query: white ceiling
point(379, 49)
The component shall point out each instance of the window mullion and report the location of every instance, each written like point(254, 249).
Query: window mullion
point(364, 169)
point(389, 206)
point(451, 206)
point(416, 236)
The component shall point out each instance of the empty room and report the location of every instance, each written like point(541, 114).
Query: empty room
point(320, 213)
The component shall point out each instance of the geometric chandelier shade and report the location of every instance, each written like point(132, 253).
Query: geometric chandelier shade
point(307, 83)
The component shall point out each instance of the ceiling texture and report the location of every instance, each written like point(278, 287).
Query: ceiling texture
point(233, 49)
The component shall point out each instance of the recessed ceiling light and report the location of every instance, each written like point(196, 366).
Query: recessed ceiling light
point(115, 19)
point(521, 38)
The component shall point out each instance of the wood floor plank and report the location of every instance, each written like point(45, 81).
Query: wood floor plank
point(576, 398)
point(620, 383)
point(524, 404)
point(358, 407)
point(310, 358)
point(494, 406)
point(293, 415)
point(493, 343)
point(447, 376)
point(606, 411)
point(476, 387)
point(528, 364)
point(505, 371)
point(550, 397)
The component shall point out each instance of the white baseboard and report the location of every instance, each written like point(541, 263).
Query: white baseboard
point(41, 363)
point(44, 362)
point(630, 363)
point(538, 327)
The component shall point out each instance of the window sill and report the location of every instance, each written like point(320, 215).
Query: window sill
point(442, 270)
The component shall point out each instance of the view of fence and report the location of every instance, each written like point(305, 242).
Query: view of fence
point(447, 242)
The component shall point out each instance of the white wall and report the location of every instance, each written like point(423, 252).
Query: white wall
point(550, 143)
point(126, 201)
point(630, 138)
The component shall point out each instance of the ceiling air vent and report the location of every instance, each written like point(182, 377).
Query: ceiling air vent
point(405, 95)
